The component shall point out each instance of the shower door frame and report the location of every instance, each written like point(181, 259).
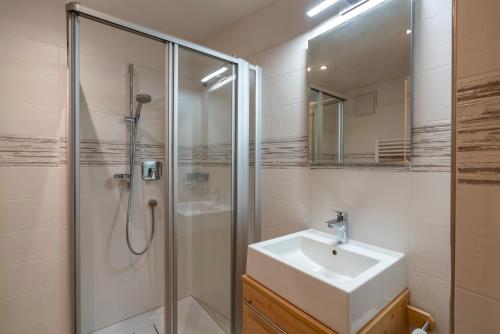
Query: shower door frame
point(240, 158)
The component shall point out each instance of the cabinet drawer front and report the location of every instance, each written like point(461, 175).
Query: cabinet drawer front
point(288, 318)
point(257, 323)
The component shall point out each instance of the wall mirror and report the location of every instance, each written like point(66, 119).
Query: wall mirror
point(359, 86)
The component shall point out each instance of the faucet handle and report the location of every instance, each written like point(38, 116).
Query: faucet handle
point(341, 215)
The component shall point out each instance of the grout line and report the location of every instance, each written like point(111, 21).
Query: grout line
point(285, 200)
point(58, 257)
point(416, 224)
point(271, 77)
point(448, 10)
point(410, 268)
point(54, 288)
point(31, 199)
point(23, 69)
point(269, 109)
point(432, 69)
point(497, 301)
point(45, 229)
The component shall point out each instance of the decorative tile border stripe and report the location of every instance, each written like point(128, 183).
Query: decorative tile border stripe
point(28, 151)
point(115, 153)
point(52, 152)
point(430, 152)
point(431, 148)
point(285, 152)
point(478, 130)
point(478, 88)
point(205, 155)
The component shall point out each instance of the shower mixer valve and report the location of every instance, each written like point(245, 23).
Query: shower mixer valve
point(151, 170)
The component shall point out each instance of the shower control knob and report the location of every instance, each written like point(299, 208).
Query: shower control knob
point(152, 203)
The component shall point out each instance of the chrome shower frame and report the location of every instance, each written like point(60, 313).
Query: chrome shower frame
point(240, 156)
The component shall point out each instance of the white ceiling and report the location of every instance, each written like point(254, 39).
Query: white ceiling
point(189, 19)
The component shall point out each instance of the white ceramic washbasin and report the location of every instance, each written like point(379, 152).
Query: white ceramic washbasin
point(342, 285)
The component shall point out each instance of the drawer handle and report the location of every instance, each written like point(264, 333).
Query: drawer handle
point(276, 328)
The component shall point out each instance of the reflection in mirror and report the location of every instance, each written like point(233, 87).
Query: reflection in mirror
point(359, 77)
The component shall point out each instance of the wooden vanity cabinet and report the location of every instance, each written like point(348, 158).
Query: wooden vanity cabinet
point(264, 312)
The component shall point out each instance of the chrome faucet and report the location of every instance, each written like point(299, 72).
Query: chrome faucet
point(340, 223)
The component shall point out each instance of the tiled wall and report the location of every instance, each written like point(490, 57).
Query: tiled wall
point(35, 291)
point(35, 266)
point(477, 250)
point(402, 209)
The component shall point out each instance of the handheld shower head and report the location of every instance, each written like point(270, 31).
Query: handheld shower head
point(141, 99)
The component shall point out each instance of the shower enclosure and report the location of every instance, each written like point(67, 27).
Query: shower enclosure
point(164, 152)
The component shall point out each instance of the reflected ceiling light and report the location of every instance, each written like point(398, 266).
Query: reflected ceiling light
point(323, 68)
point(308, 69)
point(353, 7)
point(321, 7)
point(408, 31)
point(347, 15)
point(221, 83)
point(214, 74)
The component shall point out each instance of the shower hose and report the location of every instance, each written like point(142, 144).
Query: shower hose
point(152, 203)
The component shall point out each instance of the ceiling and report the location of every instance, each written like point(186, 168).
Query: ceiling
point(189, 19)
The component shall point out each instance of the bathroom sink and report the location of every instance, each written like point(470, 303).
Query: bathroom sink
point(342, 285)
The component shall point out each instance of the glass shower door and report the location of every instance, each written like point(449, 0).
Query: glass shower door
point(120, 253)
point(203, 222)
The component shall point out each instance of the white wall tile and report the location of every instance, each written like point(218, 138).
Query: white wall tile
point(425, 9)
point(31, 214)
point(433, 296)
point(290, 184)
point(30, 277)
point(21, 247)
point(284, 89)
point(431, 198)
point(30, 20)
point(478, 45)
point(31, 309)
point(381, 220)
point(61, 324)
point(475, 313)
point(283, 58)
point(477, 239)
point(379, 230)
point(107, 42)
point(29, 87)
point(27, 119)
point(32, 182)
point(268, 233)
point(432, 40)
point(285, 121)
point(430, 250)
point(359, 190)
point(432, 95)
point(105, 86)
point(284, 215)
point(23, 54)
